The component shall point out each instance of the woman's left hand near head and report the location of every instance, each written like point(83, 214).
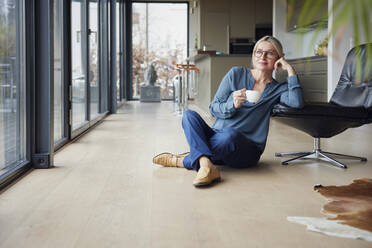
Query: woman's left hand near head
point(285, 66)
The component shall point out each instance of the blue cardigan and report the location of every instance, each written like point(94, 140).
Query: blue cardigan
point(252, 119)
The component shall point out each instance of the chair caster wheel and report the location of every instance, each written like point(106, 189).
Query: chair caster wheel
point(363, 159)
point(284, 163)
point(278, 154)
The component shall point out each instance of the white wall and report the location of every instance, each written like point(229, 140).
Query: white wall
point(294, 47)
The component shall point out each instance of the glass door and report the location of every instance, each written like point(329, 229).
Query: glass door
point(89, 45)
point(78, 64)
point(159, 36)
point(12, 86)
point(93, 59)
point(119, 53)
point(59, 127)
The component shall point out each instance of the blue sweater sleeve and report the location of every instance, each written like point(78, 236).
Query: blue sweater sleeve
point(222, 105)
point(293, 96)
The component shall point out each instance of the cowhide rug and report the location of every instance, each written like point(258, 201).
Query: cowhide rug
point(349, 211)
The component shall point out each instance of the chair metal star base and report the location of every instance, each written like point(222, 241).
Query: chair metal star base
point(317, 153)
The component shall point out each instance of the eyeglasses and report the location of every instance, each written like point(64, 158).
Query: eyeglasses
point(269, 54)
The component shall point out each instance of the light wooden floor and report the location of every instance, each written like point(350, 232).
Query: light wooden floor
point(105, 191)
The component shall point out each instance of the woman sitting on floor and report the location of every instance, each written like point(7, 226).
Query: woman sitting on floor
point(238, 136)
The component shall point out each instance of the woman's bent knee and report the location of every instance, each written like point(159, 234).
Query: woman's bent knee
point(189, 115)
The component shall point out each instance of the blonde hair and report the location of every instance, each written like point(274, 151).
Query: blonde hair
point(274, 41)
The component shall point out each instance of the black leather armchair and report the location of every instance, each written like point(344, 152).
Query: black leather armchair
point(325, 120)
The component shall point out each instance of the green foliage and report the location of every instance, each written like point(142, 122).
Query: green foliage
point(322, 47)
point(344, 12)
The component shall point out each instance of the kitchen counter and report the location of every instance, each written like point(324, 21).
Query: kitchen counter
point(213, 68)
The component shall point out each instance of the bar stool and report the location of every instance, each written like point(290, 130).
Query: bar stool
point(181, 90)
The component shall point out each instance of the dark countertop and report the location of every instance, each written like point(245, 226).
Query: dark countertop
point(316, 57)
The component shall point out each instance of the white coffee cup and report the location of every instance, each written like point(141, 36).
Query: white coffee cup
point(252, 95)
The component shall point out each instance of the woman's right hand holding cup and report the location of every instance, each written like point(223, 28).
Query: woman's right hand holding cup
point(239, 98)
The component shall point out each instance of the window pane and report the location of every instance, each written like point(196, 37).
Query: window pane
point(12, 85)
point(159, 37)
point(78, 65)
point(104, 56)
point(93, 58)
point(58, 63)
point(118, 50)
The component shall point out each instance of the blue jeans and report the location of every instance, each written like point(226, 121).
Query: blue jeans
point(227, 146)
